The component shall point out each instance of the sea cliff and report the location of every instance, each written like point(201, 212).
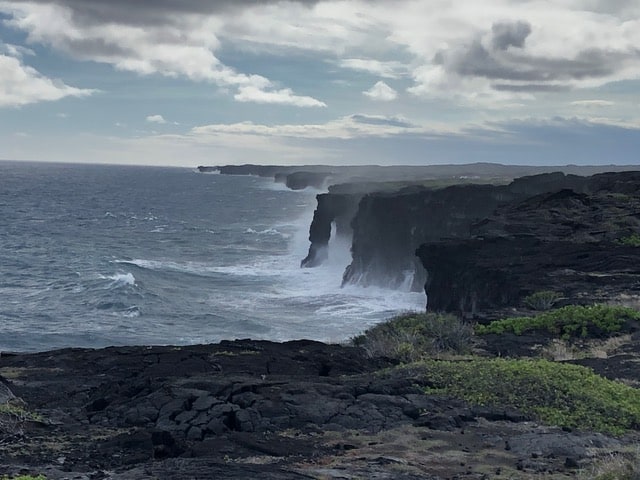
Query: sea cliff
point(579, 241)
point(389, 227)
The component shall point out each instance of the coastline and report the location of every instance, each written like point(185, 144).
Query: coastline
point(519, 286)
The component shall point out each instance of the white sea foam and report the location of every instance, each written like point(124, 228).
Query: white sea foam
point(266, 231)
point(203, 268)
point(131, 312)
point(121, 279)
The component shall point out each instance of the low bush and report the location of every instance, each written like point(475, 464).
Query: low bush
point(632, 240)
point(567, 322)
point(555, 393)
point(543, 300)
point(413, 336)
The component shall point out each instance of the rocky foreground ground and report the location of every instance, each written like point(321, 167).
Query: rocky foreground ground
point(293, 410)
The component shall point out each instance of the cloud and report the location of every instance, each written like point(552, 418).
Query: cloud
point(490, 52)
point(355, 139)
point(381, 92)
point(593, 103)
point(348, 127)
point(22, 85)
point(159, 119)
point(134, 37)
point(386, 69)
point(17, 51)
point(148, 12)
point(507, 35)
point(284, 96)
point(517, 49)
point(383, 120)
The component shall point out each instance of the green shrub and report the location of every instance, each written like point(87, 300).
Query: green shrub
point(567, 322)
point(543, 300)
point(555, 393)
point(632, 240)
point(412, 336)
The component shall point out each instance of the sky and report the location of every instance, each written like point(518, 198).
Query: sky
point(210, 82)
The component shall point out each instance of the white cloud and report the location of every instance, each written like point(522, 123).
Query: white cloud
point(478, 52)
point(21, 85)
point(381, 92)
point(467, 51)
point(173, 45)
point(283, 97)
point(386, 69)
point(159, 119)
point(593, 103)
point(340, 141)
point(349, 127)
point(17, 51)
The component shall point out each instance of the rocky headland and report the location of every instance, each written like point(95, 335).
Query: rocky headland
point(523, 378)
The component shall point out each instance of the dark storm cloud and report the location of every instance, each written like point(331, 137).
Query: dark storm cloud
point(502, 64)
point(477, 61)
point(507, 35)
point(149, 12)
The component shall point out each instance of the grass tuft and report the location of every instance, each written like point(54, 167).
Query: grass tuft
point(413, 336)
point(615, 466)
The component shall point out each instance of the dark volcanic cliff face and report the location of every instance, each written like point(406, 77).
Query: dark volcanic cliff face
point(475, 275)
point(388, 227)
point(568, 241)
point(332, 208)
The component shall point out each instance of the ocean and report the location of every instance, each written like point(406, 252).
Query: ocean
point(95, 255)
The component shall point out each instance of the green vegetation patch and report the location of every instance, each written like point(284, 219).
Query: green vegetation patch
point(17, 410)
point(543, 300)
point(632, 240)
point(412, 336)
point(567, 322)
point(25, 477)
point(555, 393)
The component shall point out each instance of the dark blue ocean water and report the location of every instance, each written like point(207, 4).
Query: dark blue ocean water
point(108, 255)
